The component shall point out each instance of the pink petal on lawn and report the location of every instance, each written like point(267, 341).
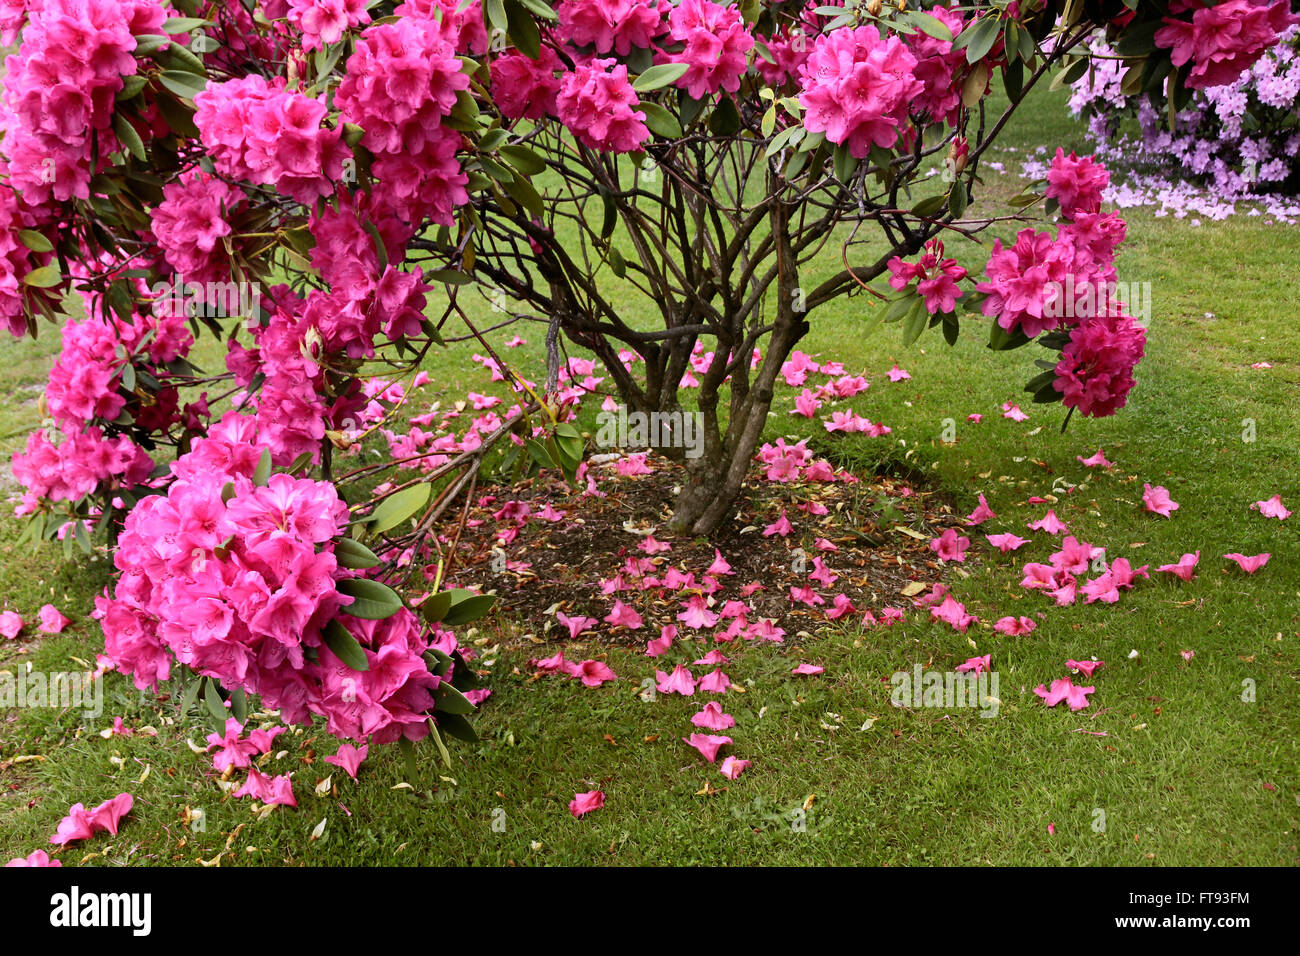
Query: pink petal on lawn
point(1272, 508)
point(1006, 542)
point(348, 758)
point(41, 858)
point(897, 374)
point(950, 546)
point(1157, 500)
point(52, 622)
point(1049, 523)
point(10, 624)
point(584, 803)
point(712, 717)
point(623, 616)
point(732, 767)
point(1185, 568)
point(1084, 667)
point(108, 814)
point(1096, 461)
point(1013, 412)
point(714, 682)
point(707, 744)
point(1063, 690)
point(679, 681)
point(977, 664)
point(1249, 563)
point(593, 673)
point(810, 670)
point(981, 514)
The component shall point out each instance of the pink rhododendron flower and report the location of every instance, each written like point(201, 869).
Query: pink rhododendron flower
point(1006, 542)
point(1085, 668)
point(733, 767)
point(1096, 461)
point(1014, 626)
point(598, 105)
point(611, 25)
point(575, 625)
point(857, 88)
point(1076, 183)
point(937, 285)
point(1049, 523)
point(716, 43)
point(714, 682)
point(679, 681)
point(1095, 373)
point(953, 612)
point(592, 673)
point(10, 624)
point(35, 858)
point(1187, 655)
point(697, 614)
point(1272, 508)
point(976, 664)
point(897, 374)
point(623, 616)
point(950, 546)
point(981, 514)
point(1224, 40)
point(1157, 500)
point(349, 758)
point(1185, 568)
point(232, 749)
point(1249, 564)
point(712, 717)
point(781, 526)
point(805, 669)
point(52, 622)
point(584, 803)
point(1063, 690)
point(707, 744)
point(81, 824)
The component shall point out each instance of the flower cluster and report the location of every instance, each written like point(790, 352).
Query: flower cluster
point(323, 21)
point(237, 581)
point(190, 224)
point(715, 43)
point(598, 105)
point(858, 88)
point(940, 68)
point(261, 132)
point(1095, 373)
point(611, 25)
point(59, 87)
point(938, 277)
point(1224, 40)
point(401, 82)
point(82, 462)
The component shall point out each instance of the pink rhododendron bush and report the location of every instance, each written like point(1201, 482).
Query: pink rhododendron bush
point(325, 186)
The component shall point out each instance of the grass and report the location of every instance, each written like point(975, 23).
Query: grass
point(1186, 774)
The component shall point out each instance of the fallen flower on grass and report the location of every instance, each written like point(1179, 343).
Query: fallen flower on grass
point(1049, 523)
point(1064, 690)
point(10, 624)
point(1187, 655)
point(714, 682)
point(584, 803)
point(1084, 667)
point(806, 669)
point(663, 642)
point(1272, 508)
point(1185, 568)
point(712, 717)
point(976, 664)
point(981, 513)
point(623, 616)
point(953, 612)
point(53, 622)
point(1157, 500)
point(268, 790)
point(592, 673)
point(733, 767)
point(950, 546)
point(1249, 563)
point(81, 824)
point(1013, 412)
point(679, 681)
point(780, 526)
point(1006, 542)
point(1096, 461)
point(348, 758)
point(40, 858)
point(897, 374)
point(575, 625)
point(1014, 626)
point(707, 744)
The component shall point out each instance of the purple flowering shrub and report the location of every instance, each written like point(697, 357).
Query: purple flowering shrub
point(1235, 142)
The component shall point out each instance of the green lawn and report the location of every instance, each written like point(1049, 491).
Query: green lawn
point(1186, 772)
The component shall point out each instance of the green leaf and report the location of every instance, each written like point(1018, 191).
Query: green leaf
point(448, 276)
point(183, 25)
point(344, 646)
point(436, 606)
point(373, 601)
point(451, 701)
point(408, 756)
point(467, 606)
point(915, 322)
point(352, 554)
point(34, 241)
point(239, 705)
point(657, 77)
point(659, 121)
point(191, 695)
point(185, 85)
point(523, 31)
point(845, 163)
point(262, 473)
point(540, 453)
point(399, 507)
point(523, 159)
point(45, 277)
point(725, 118)
point(929, 206)
point(931, 25)
point(983, 38)
point(957, 199)
point(128, 137)
point(457, 726)
point(216, 707)
point(495, 13)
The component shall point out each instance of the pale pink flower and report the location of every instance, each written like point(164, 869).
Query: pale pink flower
point(348, 758)
point(1096, 461)
point(707, 744)
point(1063, 690)
point(679, 681)
point(733, 767)
point(52, 622)
point(977, 664)
point(623, 616)
point(1185, 568)
point(1272, 508)
point(1157, 500)
point(1049, 523)
point(808, 670)
point(1250, 564)
point(712, 717)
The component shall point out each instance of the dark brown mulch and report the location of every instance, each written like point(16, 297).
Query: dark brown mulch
point(879, 563)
